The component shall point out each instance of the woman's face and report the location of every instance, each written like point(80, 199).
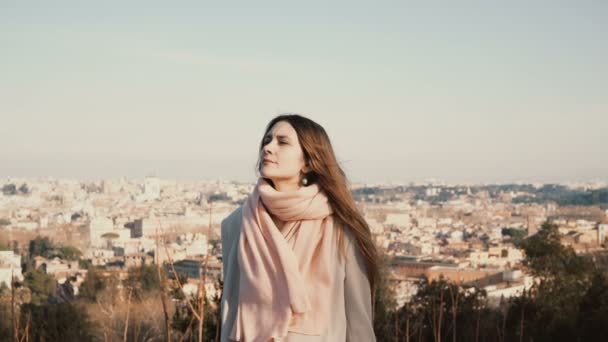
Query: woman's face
point(282, 157)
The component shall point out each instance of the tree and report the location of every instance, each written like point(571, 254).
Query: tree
point(442, 311)
point(70, 253)
point(184, 320)
point(551, 310)
point(9, 189)
point(94, 283)
point(56, 322)
point(41, 284)
point(143, 280)
point(110, 237)
point(4, 289)
point(40, 246)
point(24, 189)
point(516, 235)
point(547, 259)
point(6, 331)
point(75, 216)
point(384, 300)
point(593, 309)
point(85, 264)
point(4, 247)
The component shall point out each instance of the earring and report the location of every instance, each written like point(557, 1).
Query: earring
point(304, 181)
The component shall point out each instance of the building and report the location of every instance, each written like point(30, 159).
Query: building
point(189, 268)
point(427, 222)
point(10, 266)
point(601, 233)
point(152, 188)
point(465, 276)
point(149, 227)
point(398, 219)
point(97, 227)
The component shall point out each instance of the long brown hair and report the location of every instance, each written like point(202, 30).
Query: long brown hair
point(327, 173)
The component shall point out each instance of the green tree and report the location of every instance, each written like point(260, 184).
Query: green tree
point(551, 309)
point(24, 189)
point(110, 237)
point(40, 246)
point(441, 311)
point(41, 284)
point(70, 253)
point(516, 235)
point(6, 330)
point(56, 322)
point(142, 279)
point(593, 315)
point(9, 189)
point(548, 259)
point(4, 247)
point(4, 289)
point(384, 300)
point(95, 282)
point(85, 264)
point(185, 322)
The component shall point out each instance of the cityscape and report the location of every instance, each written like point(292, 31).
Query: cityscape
point(466, 234)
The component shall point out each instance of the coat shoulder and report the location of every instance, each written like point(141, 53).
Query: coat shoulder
point(349, 236)
point(232, 222)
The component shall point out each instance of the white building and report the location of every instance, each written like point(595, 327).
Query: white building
point(99, 256)
point(496, 256)
point(10, 266)
point(149, 227)
point(496, 292)
point(124, 235)
point(27, 225)
point(444, 222)
point(374, 226)
point(97, 227)
point(399, 219)
point(197, 246)
point(601, 233)
point(152, 188)
point(10, 258)
point(427, 222)
point(456, 235)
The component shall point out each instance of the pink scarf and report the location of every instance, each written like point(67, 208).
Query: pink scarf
point(286, 276)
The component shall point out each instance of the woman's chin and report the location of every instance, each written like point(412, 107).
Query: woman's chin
point(267, 175)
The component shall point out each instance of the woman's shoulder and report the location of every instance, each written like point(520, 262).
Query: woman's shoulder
point(233, 215)
point(232, 222)
point(350, 240)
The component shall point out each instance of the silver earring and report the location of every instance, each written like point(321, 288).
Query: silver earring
point(304, 181)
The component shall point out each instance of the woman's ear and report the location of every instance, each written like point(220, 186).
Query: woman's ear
point(306, 169)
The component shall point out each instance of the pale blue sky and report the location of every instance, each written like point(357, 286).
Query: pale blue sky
point(461, 91)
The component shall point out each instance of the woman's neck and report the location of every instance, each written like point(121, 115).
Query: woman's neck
point(286, 185)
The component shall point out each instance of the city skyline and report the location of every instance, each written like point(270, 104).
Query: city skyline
point(473, 93)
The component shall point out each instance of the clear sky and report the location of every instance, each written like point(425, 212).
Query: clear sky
point(469, 91)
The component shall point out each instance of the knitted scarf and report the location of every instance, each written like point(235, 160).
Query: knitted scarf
point(286, 275)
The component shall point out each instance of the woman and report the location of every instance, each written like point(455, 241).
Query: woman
point(299, 260)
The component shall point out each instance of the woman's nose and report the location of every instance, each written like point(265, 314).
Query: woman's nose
point(268, 148)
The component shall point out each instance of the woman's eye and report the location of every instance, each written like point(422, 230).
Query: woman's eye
point(268, 140)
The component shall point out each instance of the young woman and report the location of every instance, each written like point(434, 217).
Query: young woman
point(299, 260)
